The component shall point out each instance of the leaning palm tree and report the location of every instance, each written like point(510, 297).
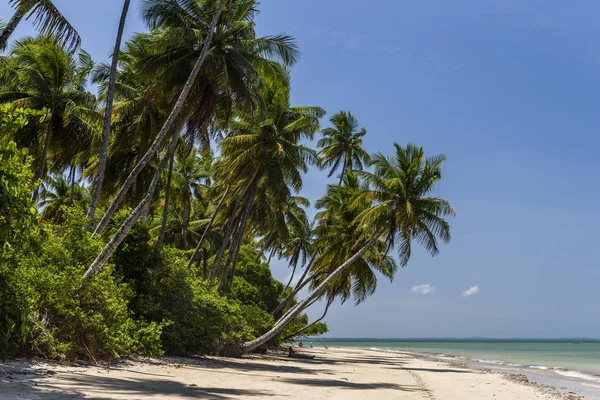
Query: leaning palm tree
point(46, 18)
point(402, 211)
point(342, 144)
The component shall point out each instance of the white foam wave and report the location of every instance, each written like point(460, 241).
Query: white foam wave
point(579, 375)
point(495, 362)
point(538, 367)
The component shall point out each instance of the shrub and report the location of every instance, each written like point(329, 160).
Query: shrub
point(52, 316)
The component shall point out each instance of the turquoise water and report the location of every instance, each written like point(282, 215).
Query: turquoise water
point(575, 356)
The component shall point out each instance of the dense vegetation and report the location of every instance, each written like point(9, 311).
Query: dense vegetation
point(142, 219)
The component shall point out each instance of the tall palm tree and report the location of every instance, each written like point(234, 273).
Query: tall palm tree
point(342, 144)
point(99, 179)
point(266, 156)
point(234, 57)
point(47, 19)
point(38, 74)
point(402, 211)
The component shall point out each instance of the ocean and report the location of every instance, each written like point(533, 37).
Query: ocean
point(570, 365)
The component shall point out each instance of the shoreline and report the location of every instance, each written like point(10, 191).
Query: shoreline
point(335, 373)
point(563, 380)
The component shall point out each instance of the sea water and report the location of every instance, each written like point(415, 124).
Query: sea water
point(570, 365)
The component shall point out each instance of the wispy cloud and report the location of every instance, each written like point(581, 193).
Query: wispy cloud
point(387, 49)
point(422, 289)
point(357, 42)
point(471, 291)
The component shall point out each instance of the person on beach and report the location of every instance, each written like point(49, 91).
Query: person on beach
point(301, 344)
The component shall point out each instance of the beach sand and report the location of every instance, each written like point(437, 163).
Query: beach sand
point(333, 374)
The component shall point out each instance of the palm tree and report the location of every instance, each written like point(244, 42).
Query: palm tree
point(402, 211)
point(342, 143)
point(99, 179)
point(47, 19)
point(58, 193)
point(183, 186)
point(265, 156)
point(234, 56)
point(40, 74)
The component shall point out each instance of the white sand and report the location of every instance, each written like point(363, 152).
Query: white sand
point(334, 374)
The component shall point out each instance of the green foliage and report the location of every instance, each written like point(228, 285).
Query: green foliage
point(200, 320)
point(17, 212)
point(253, 283)
point(47, 313)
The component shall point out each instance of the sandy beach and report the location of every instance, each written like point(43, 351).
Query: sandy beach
point(333, 374)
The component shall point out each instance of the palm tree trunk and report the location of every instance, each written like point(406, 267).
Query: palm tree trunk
point(237, 242)
point(270, 256)
point(298, 308)
point(301, 283)
point(41, 170)
point(185, 223)
point(167, 125)
point(11, 26)
point(165, 216)
point(229, 229)
point(343, 172)
point(212, 220)
point(72, 177)
point(110, 97)
point(204, 263)
point(140, 210)
point(299, 331)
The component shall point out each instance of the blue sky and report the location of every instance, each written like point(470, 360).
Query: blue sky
point(509, 90)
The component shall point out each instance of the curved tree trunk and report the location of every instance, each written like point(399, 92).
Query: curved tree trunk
point(166, 127)
point(301, 283)
point(212, 220)
point(165, 216)
point(298, 308)
point(110, 97)
point(299, 331)
point(11, 26)
point(140, 210)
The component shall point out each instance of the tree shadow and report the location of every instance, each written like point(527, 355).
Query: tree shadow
point(350, 385)
point(460, 371)
point(139, 388)
point(247, 365)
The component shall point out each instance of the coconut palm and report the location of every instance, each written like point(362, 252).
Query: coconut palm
point(138, 112)
point(342, 144)
point(265, 156)
point(402, 211)
point(46, 18)
point(60, 192)
point(235, 59)
point(40, 74)
point(99, 178)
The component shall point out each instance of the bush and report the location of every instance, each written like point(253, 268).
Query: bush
point(48, 313)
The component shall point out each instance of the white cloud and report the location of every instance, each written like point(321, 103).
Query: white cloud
point(422, 289)
point(471, 291)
